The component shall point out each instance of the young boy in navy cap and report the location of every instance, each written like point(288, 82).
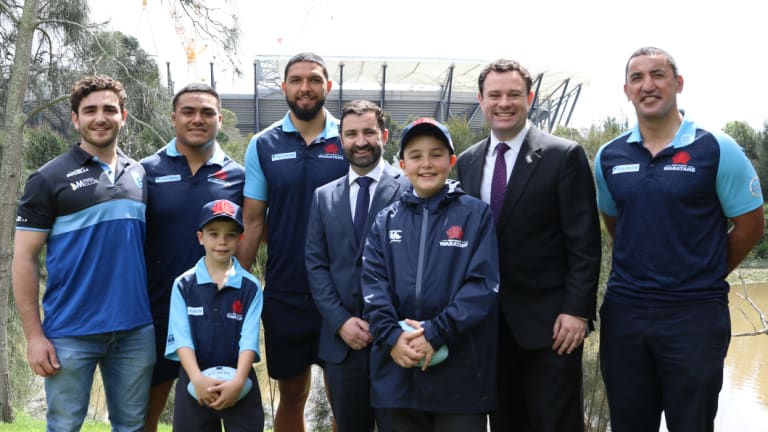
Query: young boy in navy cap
point(430, 285)
point(214, 331)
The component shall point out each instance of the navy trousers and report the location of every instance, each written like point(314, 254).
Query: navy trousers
point(667, 358)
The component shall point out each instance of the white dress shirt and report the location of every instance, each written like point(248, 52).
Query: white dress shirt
point(354, 188)
point(509, 157)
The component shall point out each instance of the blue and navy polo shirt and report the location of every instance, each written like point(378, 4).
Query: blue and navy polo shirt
point(216, 323)
point(671, 241)
point(95, 244)
point(175, 198)
point(282, 170)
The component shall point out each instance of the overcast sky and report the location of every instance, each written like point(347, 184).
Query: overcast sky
point(720, 49)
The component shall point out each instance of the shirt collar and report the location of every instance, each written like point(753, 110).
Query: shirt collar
point(330, 130)
point(234, 274)
point(375, 173)
point(216, 158)
point(83, 156)
point(514, 144)
point(685, 135)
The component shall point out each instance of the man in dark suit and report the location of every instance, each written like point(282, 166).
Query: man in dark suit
point(541, 192)
point(340, 218)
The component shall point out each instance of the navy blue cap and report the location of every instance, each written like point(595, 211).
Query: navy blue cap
point(220, 209)
point(426, 126)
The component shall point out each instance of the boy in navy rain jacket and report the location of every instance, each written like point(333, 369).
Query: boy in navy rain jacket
point(431, 259)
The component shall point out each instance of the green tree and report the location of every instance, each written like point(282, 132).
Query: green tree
point(41, 144)
point(755, 144)
point(40, 42)
point(24, 18)
point(746, 136)
point(229, 137)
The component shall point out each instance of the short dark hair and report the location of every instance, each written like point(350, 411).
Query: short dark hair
point(197, 87)
point(360, 107)
point(652, 51)
point(504, 65)
point(93, 83)
point(306, 57)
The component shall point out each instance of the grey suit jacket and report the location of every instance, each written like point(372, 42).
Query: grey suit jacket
point(548, 232)
point(334, 255)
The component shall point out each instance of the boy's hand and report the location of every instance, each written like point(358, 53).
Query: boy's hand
point(203, 384)
point(420, 344)
point(402, 354)
point(228, 392)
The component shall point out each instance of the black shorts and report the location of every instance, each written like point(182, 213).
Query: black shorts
point(247, 415)
point(165, 370)
point(291, 333)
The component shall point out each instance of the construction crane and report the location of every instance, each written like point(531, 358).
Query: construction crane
point(188, 43)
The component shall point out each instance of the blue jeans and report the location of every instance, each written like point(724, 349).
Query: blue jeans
point(125, 359)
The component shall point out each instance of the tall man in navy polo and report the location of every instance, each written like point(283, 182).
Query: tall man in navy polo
point(668, 191)
point(87, 207)
point(284, 164)
point(181, 177)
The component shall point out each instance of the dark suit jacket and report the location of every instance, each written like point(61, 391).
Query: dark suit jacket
point(548, 231)
point(334, 256)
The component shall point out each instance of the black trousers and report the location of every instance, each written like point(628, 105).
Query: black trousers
point(537, 390)
point(406, 420)
point(349, 387)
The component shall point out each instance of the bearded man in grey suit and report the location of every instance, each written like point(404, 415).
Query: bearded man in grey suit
point(341, 215)
point(542, 195)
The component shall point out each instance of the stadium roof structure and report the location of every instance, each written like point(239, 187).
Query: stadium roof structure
point(406, 88)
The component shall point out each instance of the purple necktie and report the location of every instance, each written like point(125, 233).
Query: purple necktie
point(499, 181)
point(361, 205)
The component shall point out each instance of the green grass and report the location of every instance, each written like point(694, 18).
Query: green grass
point(25, 423)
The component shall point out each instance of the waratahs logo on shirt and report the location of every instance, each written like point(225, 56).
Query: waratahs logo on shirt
point(455, 235)
point(331, 148)
point(681, 158)
point(219, 177)
point(237, 311)
point(331, 152)
point(680, 162)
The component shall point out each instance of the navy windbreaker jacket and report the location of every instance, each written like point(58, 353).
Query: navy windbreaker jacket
point(434, 260)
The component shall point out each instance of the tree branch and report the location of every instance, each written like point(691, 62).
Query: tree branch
point(45, 106)
point(148, 126)
point(5, 7)
point(745, 296)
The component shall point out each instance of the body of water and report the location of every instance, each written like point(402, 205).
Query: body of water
point(744, 398)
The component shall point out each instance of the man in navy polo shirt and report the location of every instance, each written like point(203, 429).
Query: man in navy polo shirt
point(284, 164)
point(87, 207)
point(668, 191)
point(181, 177)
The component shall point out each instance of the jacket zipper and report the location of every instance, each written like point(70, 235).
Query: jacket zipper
point(420, 263)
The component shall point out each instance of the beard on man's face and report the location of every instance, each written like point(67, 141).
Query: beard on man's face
point(305, 114)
